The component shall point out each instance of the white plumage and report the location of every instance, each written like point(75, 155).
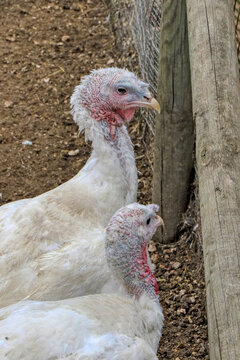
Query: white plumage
point(51, 246)
point(102, 326)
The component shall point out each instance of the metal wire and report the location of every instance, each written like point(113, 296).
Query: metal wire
point(137, 25)
point(237, 26)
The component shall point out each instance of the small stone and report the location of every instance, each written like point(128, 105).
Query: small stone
point(8, 104)
point(110, 62)
point(76, 7)
point(152, 247)
point(65, 38)
point(167, 302)
point(27, 142)
point(73, 152)
point(11, 38)
point(192, 300)
point(181, 311)
point(176, 265)
point(154, 258)
point(154, 266)
point(182, 292)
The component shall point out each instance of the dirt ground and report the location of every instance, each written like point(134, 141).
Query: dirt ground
point(46, 47)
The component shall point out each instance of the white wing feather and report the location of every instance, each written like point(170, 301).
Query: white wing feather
point(89, 327)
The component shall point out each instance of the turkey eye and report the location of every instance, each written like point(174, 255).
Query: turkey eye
point(148, 221)
point(121, 91)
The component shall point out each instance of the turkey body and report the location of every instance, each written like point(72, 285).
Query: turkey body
point(91, 327)
point(45, 240)
point(120, 326)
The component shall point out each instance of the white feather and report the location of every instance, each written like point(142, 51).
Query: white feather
point(91, 327)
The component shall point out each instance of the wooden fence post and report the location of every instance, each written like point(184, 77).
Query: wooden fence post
point(216, 106)
point(174, 138)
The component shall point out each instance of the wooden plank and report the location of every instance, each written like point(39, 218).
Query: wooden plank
point(216, 106)
point(174, 136)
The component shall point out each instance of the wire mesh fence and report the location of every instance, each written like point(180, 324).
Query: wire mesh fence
point(237, 26)
point(137, 28)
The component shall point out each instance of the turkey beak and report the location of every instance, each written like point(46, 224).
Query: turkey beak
point(147, 102)
point(152, 103)
point(142, 97)
point(159, 221)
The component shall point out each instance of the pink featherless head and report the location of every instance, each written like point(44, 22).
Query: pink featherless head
point(127, 236)
point(112, 95)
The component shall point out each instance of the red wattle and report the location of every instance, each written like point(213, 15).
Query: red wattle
point(148, 273)
point(127, 114)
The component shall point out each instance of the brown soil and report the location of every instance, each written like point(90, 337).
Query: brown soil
point(46, 47)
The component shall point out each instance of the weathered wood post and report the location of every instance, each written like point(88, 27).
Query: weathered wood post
point(174, 138)
point(216, 106)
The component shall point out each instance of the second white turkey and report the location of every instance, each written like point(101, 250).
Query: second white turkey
point(124, 326)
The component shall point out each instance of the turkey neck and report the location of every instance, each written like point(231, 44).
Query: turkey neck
point(121, 148)
point(116, 155)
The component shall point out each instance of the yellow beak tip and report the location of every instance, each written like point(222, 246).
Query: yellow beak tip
point(155, 105)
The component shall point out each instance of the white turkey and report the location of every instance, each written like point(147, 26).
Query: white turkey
point(51, 246)
point(124, 326)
